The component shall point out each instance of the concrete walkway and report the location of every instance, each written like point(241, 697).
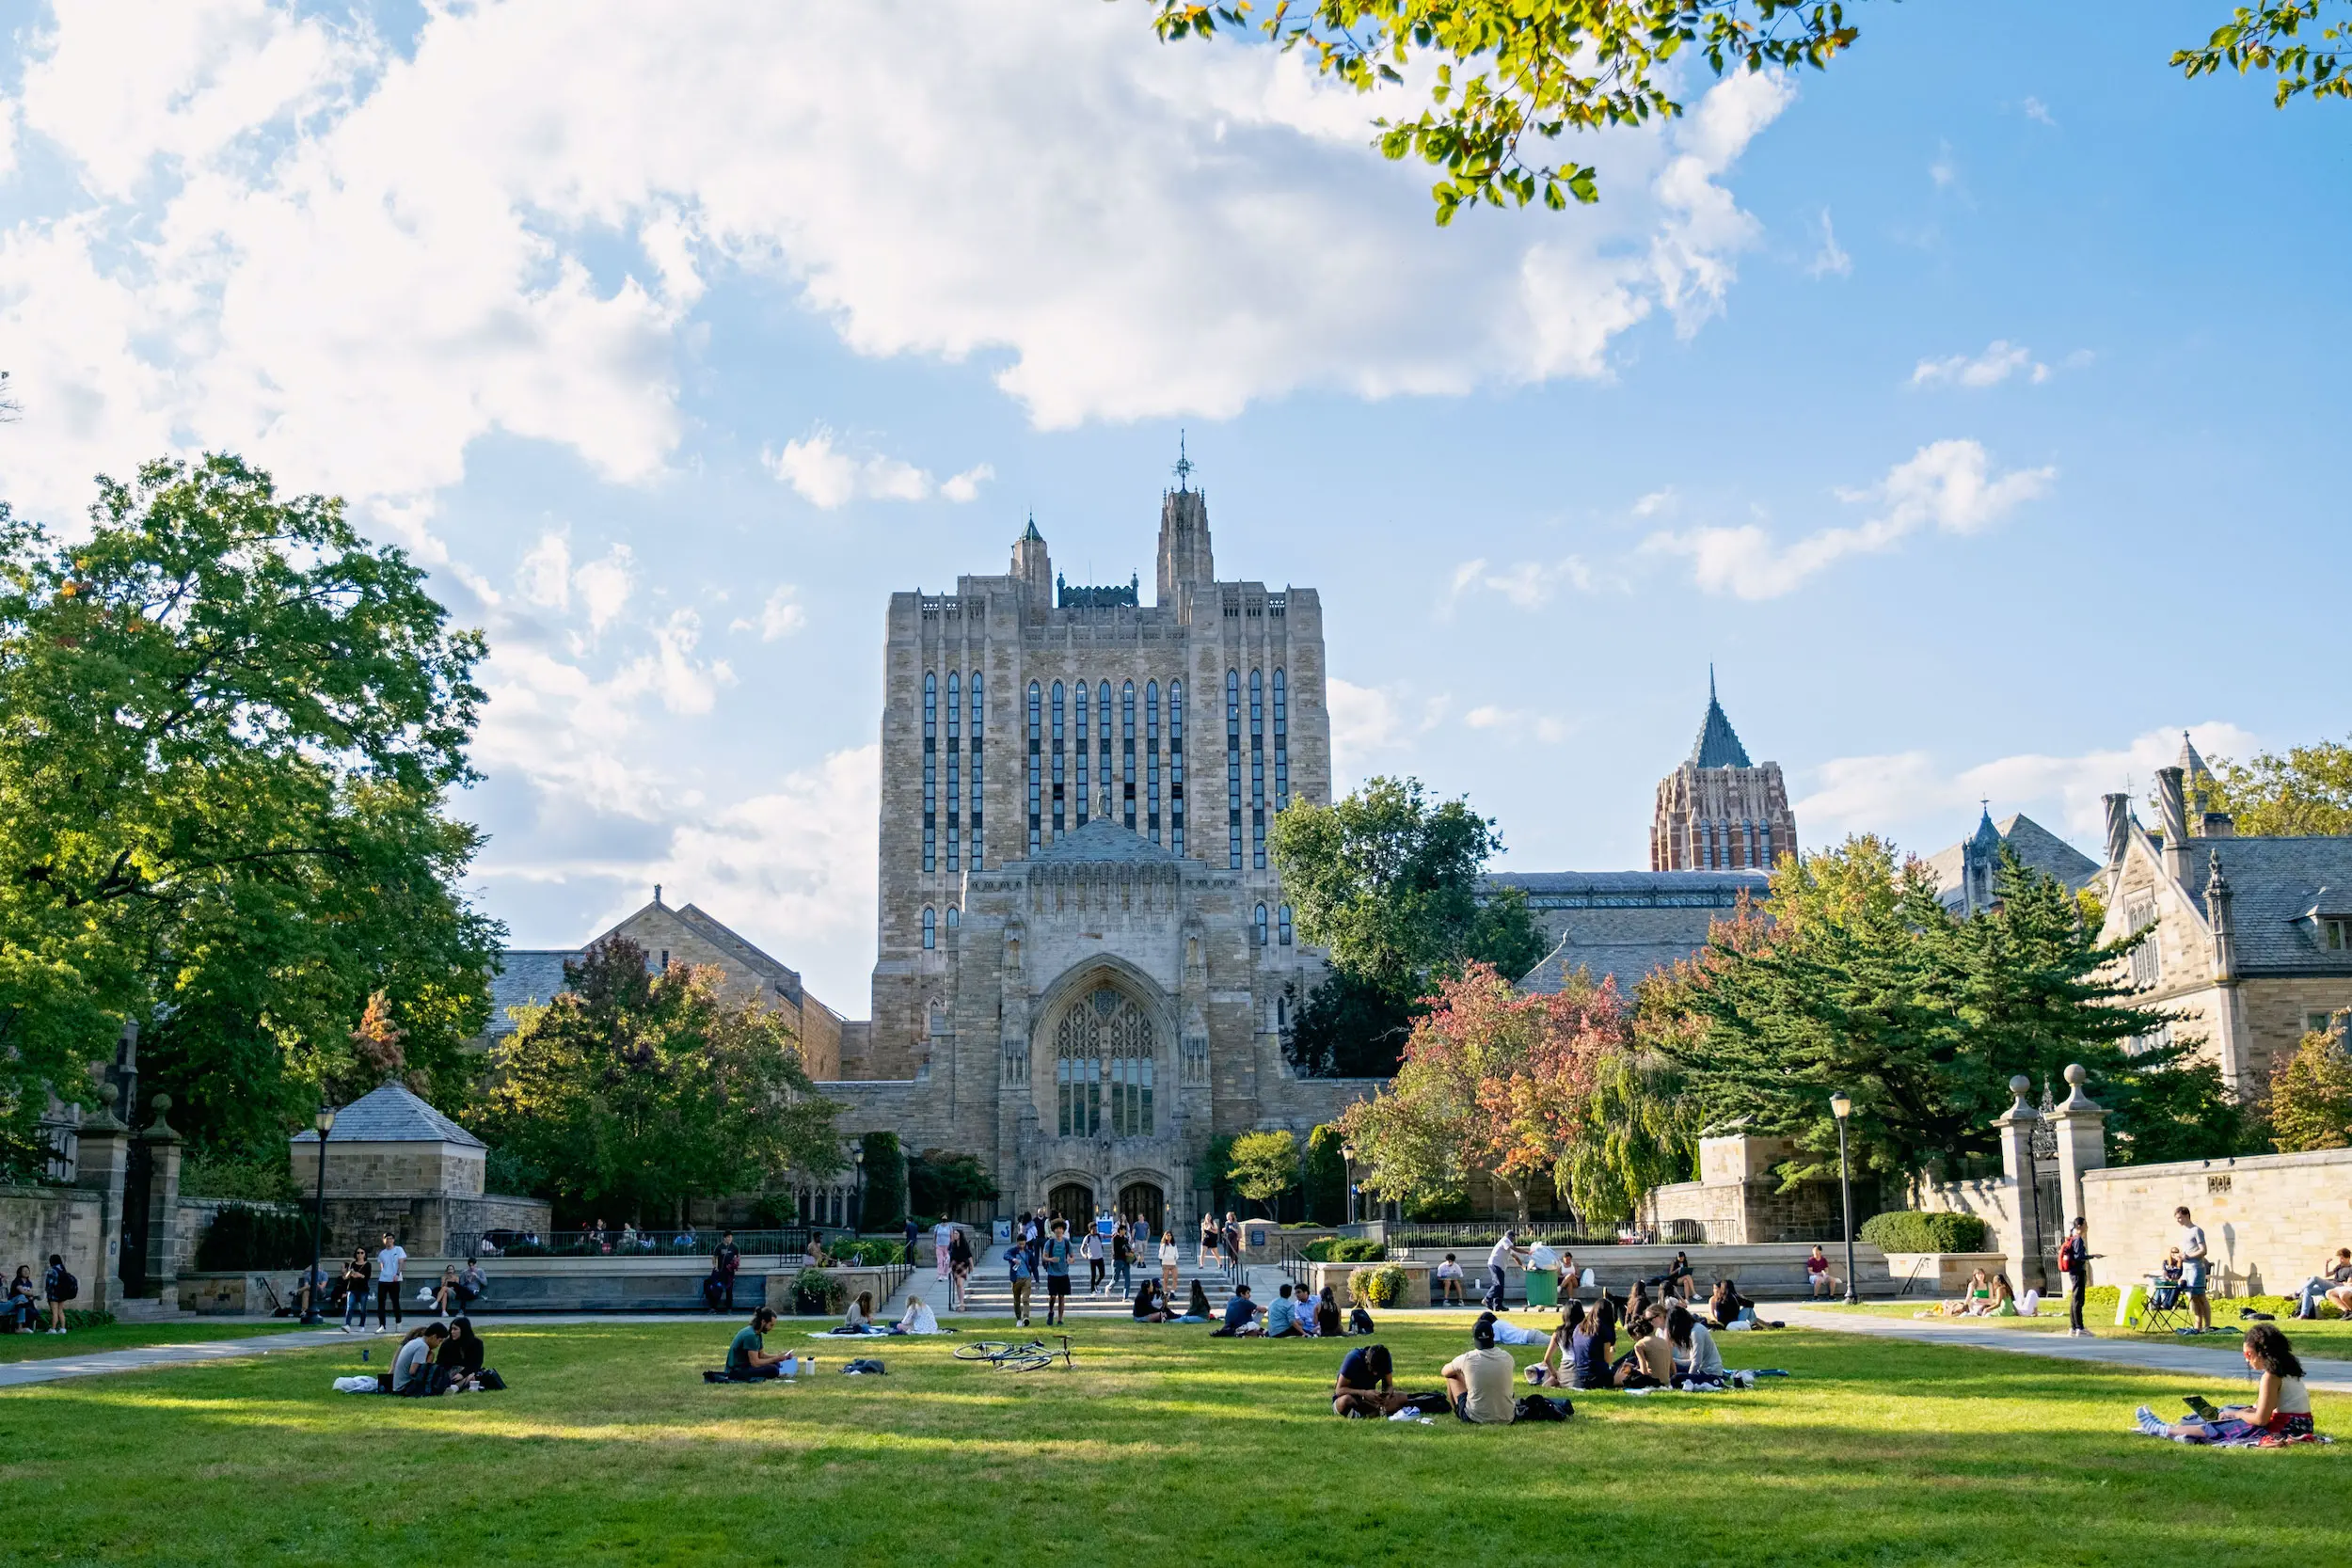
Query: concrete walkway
point(2217, 1360)
point(56, 1368)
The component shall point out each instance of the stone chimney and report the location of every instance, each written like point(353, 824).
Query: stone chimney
point(2173, 808)
point(2220, 824)
point(2119, 828)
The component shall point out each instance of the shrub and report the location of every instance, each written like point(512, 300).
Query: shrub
point(814, 1291)
point(1383, 1285)
point(243, 1238)
point(773, 1211)
point(870, 1252)
point(1910, 1230)
point(885, 1201)
point(260, 1180)
point(88, 1316)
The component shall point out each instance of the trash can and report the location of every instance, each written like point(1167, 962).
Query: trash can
point(2129, 1306)
point(1543, 1287)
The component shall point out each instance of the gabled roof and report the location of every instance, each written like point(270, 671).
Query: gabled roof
point(2033, 843)
point(392, 1115)
point(1102, 840)
point(525, 977)
point(2275, 884)
point(1718, 745)
point(782, 975)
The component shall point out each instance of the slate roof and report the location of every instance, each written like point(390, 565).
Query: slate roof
point(2034, 844)
point(392, 1115)
point(525, 974)
point(1718, 745)
point(1103, 840)
point(785, 979)
point(2279, 887)
point(1568, 889)
point(1625, 923)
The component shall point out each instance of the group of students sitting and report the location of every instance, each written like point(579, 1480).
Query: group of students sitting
point(1987, 1296)
point(1294, 1315)
point(918, 1318)
point(440, 1358)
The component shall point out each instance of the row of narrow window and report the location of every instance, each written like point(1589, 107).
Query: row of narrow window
point(1281, 925)
point(1078, 769)
point(931, 924)
point(1727, 846)
point(960, 764)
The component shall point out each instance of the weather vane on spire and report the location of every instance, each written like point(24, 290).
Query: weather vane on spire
point(1184, 464)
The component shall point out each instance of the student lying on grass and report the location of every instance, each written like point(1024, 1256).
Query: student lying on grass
point(2281, 1411)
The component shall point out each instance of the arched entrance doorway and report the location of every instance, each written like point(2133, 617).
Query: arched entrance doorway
point(1144, 1199)
point(1072, 1201)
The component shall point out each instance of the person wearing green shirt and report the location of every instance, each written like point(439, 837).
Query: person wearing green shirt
point(747, 1354)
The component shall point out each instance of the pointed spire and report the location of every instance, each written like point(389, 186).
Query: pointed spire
point(1032, 535)
point(1718, 745)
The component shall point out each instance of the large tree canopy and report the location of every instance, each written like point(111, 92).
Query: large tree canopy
point(2308, 790)
point(1391, 883)
point(634, 1091)
point(226, 723)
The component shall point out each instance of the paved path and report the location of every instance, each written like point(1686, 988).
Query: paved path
point(16, 1374)
point(2217, 1360)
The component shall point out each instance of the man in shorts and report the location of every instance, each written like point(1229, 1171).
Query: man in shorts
point(1448, 1275)
point(1057, 1252)
point(2193, 1269)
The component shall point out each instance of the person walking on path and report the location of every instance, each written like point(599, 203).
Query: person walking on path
point(389, 1259)
point(912, 1230)
point(1123, 1262)
point(2075, 1265)
point(1021, 1265)
point(725, 1259)
point(943, 1242)
point(958, 1271)
point(1057, 1253)
point(1092, 1250)
point(1505, 1253)
point(2193, 1257)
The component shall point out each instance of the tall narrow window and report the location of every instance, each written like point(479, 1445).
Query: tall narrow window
point(1176, 765)
point(1152, 759)
point(931, 927)
point(952, 920)
point(1233, 769)
point(930, 770)
point(1259, 920)
point(1058, 785)
point(1127, 752)
point(1078, 734)
point(1282, 924)
point(1257, 771)
point(980, 717)
point(1764, 845)
point(1037, 761)
point(1102, 749)
point(955, 763)
point(1282, 743)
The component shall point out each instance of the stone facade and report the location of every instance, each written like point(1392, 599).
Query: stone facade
point(1719, 811)
point(2268, 1220)
point(394, 1163)
point(1736, 1200)
point(2252, 939)
point(1084, 962)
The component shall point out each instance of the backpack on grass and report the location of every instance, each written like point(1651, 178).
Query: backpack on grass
point(1535, 1407)
point(1358, 1321)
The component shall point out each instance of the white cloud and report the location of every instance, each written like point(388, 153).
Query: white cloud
point(826, 476)
point(1944, 171)
point(1947, 485)
point(1656, 502)
point(2000, 360)
point(781, 616)
point(605, 585)
point(351, 257)
point(1516, 723)
point(1915, 797)
point(1527, 585)
point(1367, 720)
point(1830, 260)
point(2036, 109)
point(545, 576)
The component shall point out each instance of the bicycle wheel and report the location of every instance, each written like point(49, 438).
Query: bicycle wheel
point(1026, 1363)
point(981, 1350)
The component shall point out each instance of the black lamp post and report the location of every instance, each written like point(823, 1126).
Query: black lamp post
point(1841, 1106)
point(857, 1158)
point(325, 1121)
point(1347, 1155)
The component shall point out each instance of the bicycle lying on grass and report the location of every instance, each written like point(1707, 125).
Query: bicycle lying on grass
point(1033, 1356)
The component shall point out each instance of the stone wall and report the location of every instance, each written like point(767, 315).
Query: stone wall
point(2269, 1219)
point(38, 1220)
point(2029, 1246)
point(424, 1222)
point(1736, 1200)
point(358, 1170)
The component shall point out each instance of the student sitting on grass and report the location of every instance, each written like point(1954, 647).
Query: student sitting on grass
point(1547, 1372)
point(412, 1364)
point(861, 1316)
point(2281, 1411)
point(1650, 1363)
point(1150, 1306)
point(1241, 1316)
point(1977, 1295)
point(1367, 1385)
point(2332, 1283)
point(1281, 1318)
point(23, 1305)
point(1695, 1357)
point(1328, 1323)
point(2004, 1302)
point(459, 1360)
point(917, 1319)
point(1590, 1346)
point(1478, 1381)
point(748, 1359)
point(1197, 1309)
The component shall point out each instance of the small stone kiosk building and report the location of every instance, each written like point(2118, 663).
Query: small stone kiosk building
point(394, 1163)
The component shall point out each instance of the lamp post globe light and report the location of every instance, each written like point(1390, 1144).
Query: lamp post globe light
point(1347, 1156)
point(325, 1121)
point(857, 1159)
point(1841, 1106)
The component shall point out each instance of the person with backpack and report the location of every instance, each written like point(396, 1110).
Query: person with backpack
point(1021, 1265)
point(1057, 1254)
point(2075, 1263)
point(60, 1286)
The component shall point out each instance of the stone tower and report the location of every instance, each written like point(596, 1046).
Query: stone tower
point(1719, 811)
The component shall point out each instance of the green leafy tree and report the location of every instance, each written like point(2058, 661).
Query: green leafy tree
point(230, 724)
point(636, 1092)
point(1514, 77)
point(1263, 1166)
point(1392, 883)
point(2311, 1095)
point(1323, 1178)
point(884, 1173)
point(940, 1182)
point(2286, 38)
point(2308, 790)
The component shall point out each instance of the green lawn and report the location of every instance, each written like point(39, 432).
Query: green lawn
point(2327, 1339)
point(1162, 1446)
point(85, 1342)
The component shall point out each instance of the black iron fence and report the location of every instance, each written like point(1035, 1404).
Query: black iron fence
point(788, 1243)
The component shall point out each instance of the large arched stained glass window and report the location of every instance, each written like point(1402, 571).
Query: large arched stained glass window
point(1103, 1066)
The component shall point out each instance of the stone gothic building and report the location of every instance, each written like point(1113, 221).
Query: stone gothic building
point(1084, 960)
point(1719, 811)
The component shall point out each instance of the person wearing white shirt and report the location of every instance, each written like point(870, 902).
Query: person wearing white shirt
point(943, 1242)
point(1505, 1253)
point(388, 1277)
point(2193, 1257)
point(1169, 1259)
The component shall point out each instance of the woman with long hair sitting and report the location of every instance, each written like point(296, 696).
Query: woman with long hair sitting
point(2281, 1411)
point(1198, 1310)
point(1149, 1306)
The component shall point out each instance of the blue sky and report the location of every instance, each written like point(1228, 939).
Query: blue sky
point(1968, 406)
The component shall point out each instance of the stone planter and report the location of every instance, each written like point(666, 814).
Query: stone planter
point(1940, 1273)
point(1335, 1275)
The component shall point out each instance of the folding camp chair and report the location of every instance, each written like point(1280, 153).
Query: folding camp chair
point(2164, 1309)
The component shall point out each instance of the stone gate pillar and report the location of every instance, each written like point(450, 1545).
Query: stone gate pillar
point(102, 1165)
point(2020, 1237)
point(162, 1206)
point(2082, 1145)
